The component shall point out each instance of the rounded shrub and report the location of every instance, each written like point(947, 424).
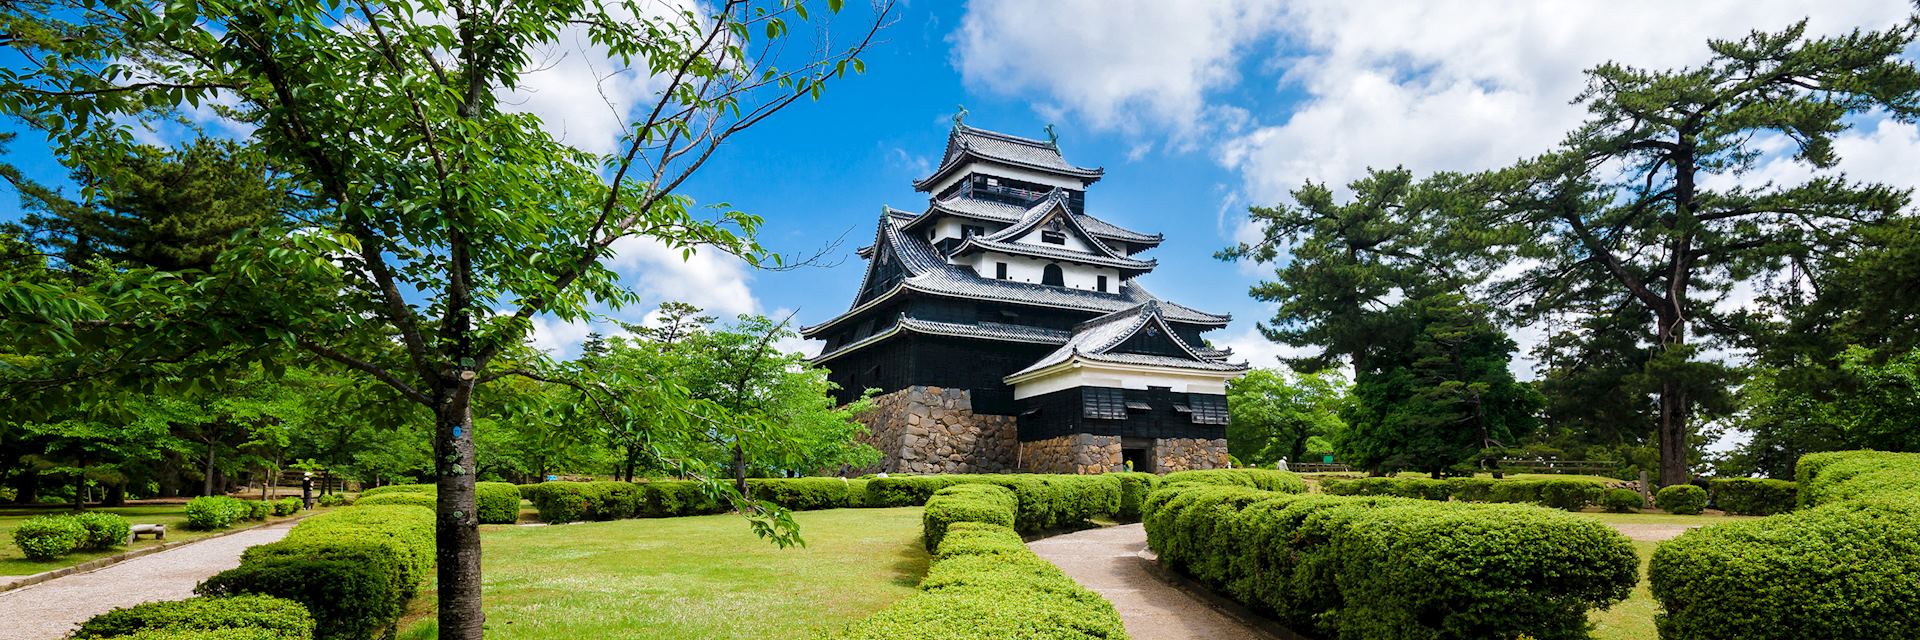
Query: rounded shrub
point(215, 512)
point(1515, 491)
point(1681, 499)
point(1841, 571)
point(266, 615)
point(427, 500)
point(334, 500)
point(1753, 496)
point(353, 569)
point(497, 502)
point(258, 509)
point(104, 530)
point(1134, 487)
point(48, 537)
point(1263, 479)
point(1622, 501)
point(286, 506)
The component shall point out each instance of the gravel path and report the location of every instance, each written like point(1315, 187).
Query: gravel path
point(47, 611)
point(1114, 562)
point(1654, 532)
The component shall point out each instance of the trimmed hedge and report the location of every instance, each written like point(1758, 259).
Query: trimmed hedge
point(1681, 499)
point(215, 512)
point(334, 500)
point(258, 509)
point(986, 503)
point(286, 506)
point(1266, 479)
point(104, 530)
point(801, 494)
point(256, 616)
point(1134, 487)
point(1571, 495)
point(1847, 566)
point(497, 502)
point(985, 585)
point(1384, 567)
point(50, 536)
point(218, 634)
point(1753, 496)
point(1471, 489)
point(1622, 501)
point(354, 569)
point(401, 488)
point(427, 500)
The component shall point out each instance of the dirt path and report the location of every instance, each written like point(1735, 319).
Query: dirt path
point(1654, 532)
point(47, 611)
point(1114, 562)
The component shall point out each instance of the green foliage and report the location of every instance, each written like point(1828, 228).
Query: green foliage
point(1437, 391)
point(334, 500)
point(1681, 499)
point(1846, 570)
point(984, 503)
point(427, 500)
point(287, 506)
point(1471, 489)
point(802, 494)
point(1571, 495)
point(1379, 567)
point(215, 512)
point(258, 509)
point(497, 502)
point(1272, 415)
point(1134, 488)
point(1752, 497)
point(1264, 479)
point(50, 536)
point(104, 530)
point(354, 569)
point(985, 584)
point(1839, 476)
point(270, 617)
point(1622, 501)
point(1515, 491)
point(400, 488)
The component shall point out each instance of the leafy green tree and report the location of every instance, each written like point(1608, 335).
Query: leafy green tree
point(1439, 394)
point(432, 208)
point(1629, 207)
point(1274, 414)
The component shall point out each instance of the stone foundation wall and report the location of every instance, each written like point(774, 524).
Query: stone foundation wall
point(934, 430)
point(1077, 453)
point(1186, 454)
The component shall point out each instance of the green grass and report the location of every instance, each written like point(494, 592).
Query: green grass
point(1633, 618)
point(1660, 517)
point(703, 577)
point(172, 515)
point(1317, 475)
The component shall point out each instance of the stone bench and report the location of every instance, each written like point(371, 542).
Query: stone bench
point(158, 531)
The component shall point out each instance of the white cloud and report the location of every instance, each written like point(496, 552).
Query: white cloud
point(709, 279)
point(582, 95)
point(1250, 346)
point(1132, 67)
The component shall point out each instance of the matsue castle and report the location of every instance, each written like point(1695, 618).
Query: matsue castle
point(1008, 331)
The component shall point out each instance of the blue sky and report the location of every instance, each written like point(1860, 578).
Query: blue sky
point(1195, 109)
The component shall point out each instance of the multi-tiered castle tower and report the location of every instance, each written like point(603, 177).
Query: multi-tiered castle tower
point(1008, 331)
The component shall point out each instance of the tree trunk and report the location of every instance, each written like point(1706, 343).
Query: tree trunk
point(739, 469)
point(79, 491)
point(206, 484)
point(456, 525)
point(1673, 410)
point(116, 496)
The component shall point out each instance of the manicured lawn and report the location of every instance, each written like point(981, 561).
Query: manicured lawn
point(1632, 619)
point(172, 515)
point(700, 578)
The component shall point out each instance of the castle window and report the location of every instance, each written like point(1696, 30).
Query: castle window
point(969, 230)
point(1208, 409)
point(1103, 403)
point(1054, 233)
point(1103, 284)
point(1000, 270)
point(1053, 276)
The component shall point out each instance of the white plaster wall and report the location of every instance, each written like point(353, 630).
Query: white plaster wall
point(1024, 269)
point(1007, 172)
point(949, 227)
point(1095, 375)
point(1073, 240)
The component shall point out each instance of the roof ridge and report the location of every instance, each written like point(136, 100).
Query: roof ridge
point(1035, 142)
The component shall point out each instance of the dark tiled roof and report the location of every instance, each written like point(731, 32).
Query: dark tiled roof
point(1043, 251)
point(964, 142)
point(929, 272)
point(985, 330)
point(1007, 213)
point(1095, 340)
